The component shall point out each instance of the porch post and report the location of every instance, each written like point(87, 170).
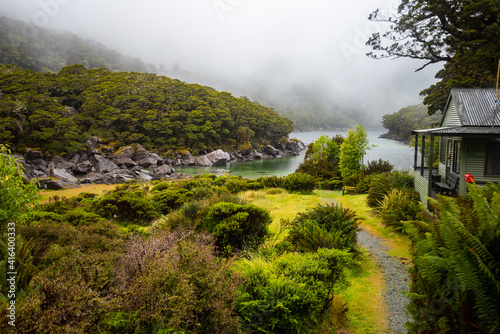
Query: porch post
point(431, 161)
point(422, 163)
point(416, 152)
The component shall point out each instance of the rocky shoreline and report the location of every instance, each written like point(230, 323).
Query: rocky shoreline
point(100, 164)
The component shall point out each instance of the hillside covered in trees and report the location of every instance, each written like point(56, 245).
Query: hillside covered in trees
point(42, 50)
point(401, 123)
point(58, 113)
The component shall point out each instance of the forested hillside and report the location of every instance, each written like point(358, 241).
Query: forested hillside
point(406, 119)
point(42, 50)
point(58, 113)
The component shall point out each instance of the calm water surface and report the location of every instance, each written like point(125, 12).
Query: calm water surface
point(398, 154)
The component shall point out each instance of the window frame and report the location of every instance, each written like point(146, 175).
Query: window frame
point(487, 158)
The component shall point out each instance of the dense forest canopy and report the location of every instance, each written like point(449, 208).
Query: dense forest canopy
point(465, 35)
point(401, 123)
point(58, 113)
point(42, 50)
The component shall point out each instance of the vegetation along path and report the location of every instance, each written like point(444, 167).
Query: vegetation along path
point(389, 250)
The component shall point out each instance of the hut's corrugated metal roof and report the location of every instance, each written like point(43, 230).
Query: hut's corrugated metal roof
point(462, 131)
point(476, 106)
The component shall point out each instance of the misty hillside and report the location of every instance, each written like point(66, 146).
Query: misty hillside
point(58, 113)
point(401, 123)
point(42, 50)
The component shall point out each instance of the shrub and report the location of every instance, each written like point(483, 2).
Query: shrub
point(399, 206)
point(377, 167)
point(172, 282)
point(290, 294)
point(168, 200)
point(236, 226)
point(455, 284)
point(299, 182)
point(236, 184)
point(126, 206)
point(383, 184)
point(324, 226)
point(273, 181)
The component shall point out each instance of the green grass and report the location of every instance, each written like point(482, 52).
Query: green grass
point(73, 192)
point(367, 312)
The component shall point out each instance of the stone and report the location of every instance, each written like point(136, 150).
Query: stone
point(124, 152)
point(164, 170)
point(101, 164)
point(185, 159)
point(140, 153)
point(215, 158)
point(93, 177)
point(269, 150)
point(150, 160)
point(127, 162)
point(75, 158)
point(121, 176)
point(57, 159)
point(31, 155)
point(65, 165)
point(47, 183)
point(62, 175)
point(83, 167)
point(39, 163)
point(83, 158)
point(257, 155)
point(93, 144)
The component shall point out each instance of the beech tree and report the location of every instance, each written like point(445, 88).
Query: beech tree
point(465, 35)
point(352, 151)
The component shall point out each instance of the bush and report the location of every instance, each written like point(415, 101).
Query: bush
point(173, 283)
point(236, 227)
point(455, 284)
point(329, 226)
point(126, 206)
point(383, 184)
point(377, 167)
point(299, 182)
point(290, 294)
point(399, 206)
point(168, 200)
point(273, 181)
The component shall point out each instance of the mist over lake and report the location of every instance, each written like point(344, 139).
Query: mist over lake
point(400, 155)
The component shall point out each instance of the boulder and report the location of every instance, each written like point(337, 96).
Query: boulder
point(62, 175)
point(47, 183)
point(215, 158)
point(124, 152)
point(93, 177)
point(83, 158)
point(185, 159)
point(257, 155)
point(93, 144)
point(75, 158)
point(150, 160)
point(121, 176)
point(65, 165)
point(31, 155)
point(296, 146)
point(57, 159)
point(83, 167)
point(269, 150)
point(106, 152)
point(123, 161)
point(140, 153)
point(164, 170)
point(101, 164)
point(38, 163)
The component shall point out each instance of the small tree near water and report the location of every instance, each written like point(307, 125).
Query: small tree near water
point(352, 151)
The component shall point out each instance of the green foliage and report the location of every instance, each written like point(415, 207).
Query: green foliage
point(462, 34)
point(290, 294)
point(174, 283)
point(352, 151)
point(299, 182)
point(455, 277)
point(16, 197)
point(168, 200)
point(62, 111)
point(325, 226)
point(322, 158)
point(377, 167)
point(398, 207)
point(382, 184)
point(126, 205)
point(236, 227)
point(401, 123)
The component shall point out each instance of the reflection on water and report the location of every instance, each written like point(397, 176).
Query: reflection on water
point(398, 154)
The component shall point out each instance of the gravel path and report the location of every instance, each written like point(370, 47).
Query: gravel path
point(396, 280)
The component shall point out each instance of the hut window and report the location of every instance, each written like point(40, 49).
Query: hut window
point(493, 159)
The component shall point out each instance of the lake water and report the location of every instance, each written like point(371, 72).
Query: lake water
point(397, 153)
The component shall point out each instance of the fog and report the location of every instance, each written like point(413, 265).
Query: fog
point(253, 48)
